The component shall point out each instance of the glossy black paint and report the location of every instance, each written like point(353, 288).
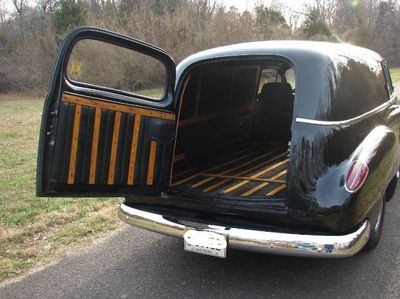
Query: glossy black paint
point(320, 159)
point(344, 125)
point(339, 86)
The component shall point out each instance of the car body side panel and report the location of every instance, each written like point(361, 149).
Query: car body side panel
point(320, 158)
point(320, 155)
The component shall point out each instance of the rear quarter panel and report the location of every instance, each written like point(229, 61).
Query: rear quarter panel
point(320, 158)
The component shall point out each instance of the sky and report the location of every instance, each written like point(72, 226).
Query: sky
point(243, 5)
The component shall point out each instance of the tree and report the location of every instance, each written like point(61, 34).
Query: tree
point(69, 14)
point(314, 25)
point(19, 6)
point(271, 23)
point(46, 5)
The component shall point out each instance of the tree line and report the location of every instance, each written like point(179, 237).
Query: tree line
point(30, 33)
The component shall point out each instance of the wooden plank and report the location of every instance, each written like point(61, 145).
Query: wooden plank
point(256, 188)
point(179, 157)
point(254, 96)
point(213, 168)
point(276, 190)
point(114, 148)
point(242, 183)
point(74, 145)
point(223, 182)
point(171, 171)
point(184, 172)
point(260, 186)
point(198, 95)
point(152, 161)
point(134, 145)
point(235, 177)
point(84, 101)
point(202, 182)
point(194, 169)
point(95, 144)
point(207, 117)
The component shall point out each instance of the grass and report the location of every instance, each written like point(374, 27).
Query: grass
point(155, 93)
point(395, 74)
point(35, 231)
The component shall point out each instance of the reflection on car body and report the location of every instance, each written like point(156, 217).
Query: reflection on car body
point(284, 147)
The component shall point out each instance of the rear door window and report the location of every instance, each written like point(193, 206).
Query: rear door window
point(268, 75)
point(290, 78)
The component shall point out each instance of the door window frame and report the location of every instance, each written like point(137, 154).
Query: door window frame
point(116, 39)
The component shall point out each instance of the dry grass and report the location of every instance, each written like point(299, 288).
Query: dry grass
point(34, 231)
point(395, 74)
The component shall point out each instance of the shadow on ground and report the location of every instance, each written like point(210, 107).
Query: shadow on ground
point(137, 263)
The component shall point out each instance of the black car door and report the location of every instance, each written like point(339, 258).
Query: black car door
point(108, 120)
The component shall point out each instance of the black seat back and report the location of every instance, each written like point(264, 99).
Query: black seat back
point(274, 112)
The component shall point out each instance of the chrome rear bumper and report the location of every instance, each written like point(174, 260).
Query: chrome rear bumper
point(254, 240)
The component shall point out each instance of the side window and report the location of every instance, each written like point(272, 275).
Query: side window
point(96, 63)
point(290, 77)
point(268, 75)
point(388, 78)
point(383, 91)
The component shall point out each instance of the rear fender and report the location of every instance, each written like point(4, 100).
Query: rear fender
point(379, 152)
point(317, 193)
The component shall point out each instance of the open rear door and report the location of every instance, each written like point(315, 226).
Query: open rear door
point(109, 120)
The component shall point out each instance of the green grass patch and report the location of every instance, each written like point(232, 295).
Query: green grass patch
point(35, 230)
point(156, 93)
point(395, 74)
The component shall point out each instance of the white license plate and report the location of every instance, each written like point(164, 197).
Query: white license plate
point(205, 243)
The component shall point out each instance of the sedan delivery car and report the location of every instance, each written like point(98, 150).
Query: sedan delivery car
point(283, 147)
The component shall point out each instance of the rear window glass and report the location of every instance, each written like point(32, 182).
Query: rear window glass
point(290, 77)
point(269, 75)
point(359, 89)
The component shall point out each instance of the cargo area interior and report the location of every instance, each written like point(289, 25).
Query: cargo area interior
point(234, 130)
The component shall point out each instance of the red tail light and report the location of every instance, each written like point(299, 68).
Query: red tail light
point(356, 176)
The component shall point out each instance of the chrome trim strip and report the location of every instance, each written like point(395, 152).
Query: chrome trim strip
point(347, 122)
point(254, 240)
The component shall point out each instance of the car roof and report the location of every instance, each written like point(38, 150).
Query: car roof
point(318, 69)
point(290, 49)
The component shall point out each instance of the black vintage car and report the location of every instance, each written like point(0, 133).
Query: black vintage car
point(284, 147)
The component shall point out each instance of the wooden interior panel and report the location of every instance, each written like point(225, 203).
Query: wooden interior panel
point(132, 160)
point(74, 144)
point(152, 160)
point(79, 100)
point(210, 116)
point(114, 144)
point(95, 143)
point(110, 125)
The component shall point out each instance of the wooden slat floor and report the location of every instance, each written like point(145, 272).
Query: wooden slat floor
point(253, 170)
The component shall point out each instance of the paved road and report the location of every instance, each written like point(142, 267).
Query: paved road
point(133, 263)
